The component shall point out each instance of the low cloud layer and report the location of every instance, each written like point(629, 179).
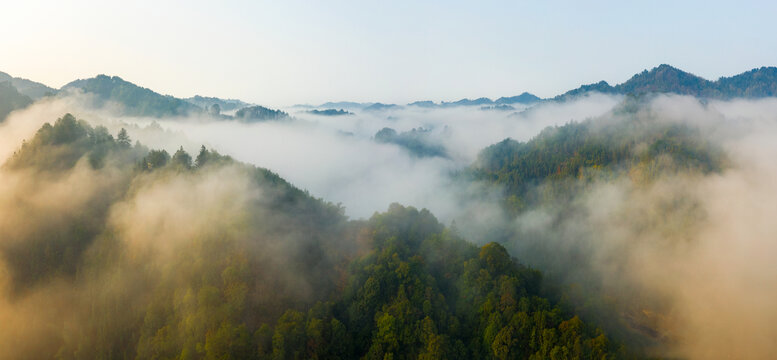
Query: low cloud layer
point(337, 159)
point(685, 258)
point(687, 255)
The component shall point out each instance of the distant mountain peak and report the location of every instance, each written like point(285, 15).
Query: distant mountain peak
point(424, 103)
point(664, 78)
point(524, 98)
point(666, 67)
point(137, 100)
point(381, 107)
point(468, 102)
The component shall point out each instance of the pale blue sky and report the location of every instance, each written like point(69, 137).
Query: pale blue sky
point(286, 52)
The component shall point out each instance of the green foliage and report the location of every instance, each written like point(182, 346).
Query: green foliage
point(182, 159)
point(58, 147)
point(288, 278)
point(421, 292)
point(123, 139)
point(552, 172)
point(210, 157)
point(56, 246)
point(756, 83)
point(154, 160)
point(590, 150)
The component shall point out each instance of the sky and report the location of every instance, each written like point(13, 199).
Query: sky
point(281, 53)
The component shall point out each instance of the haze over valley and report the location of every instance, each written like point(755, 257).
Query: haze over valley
point(628, 219)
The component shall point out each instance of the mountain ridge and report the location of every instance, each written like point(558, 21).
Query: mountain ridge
point(29, 88)
point(755, 83)
point(137, 100)
point(11, 99)
point(140, 101)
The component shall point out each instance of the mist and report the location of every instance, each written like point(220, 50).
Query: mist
point(88, 254)
point(685, 254)
point(336, 158)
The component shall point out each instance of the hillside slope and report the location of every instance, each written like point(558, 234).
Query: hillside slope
point(136, 100)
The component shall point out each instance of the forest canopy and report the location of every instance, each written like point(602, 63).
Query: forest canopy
point(181, 256)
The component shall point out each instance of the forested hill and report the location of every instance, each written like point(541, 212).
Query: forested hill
point(553, 176)
point(258, 113)
point(626, 140)
point(179, 256)
point(416, 141)
point(136, 100)
point(756, 83)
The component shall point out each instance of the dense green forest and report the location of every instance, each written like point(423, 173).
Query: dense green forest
point(553, 174)
point(281, 276)
point(629, 140)
point(144, 253)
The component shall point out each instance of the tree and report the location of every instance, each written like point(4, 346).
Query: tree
point(215, 110)
point(230, 341)
point(156, 159)
point(503, 343)
point(202, 157)
point(182, 159)
point(123, 138)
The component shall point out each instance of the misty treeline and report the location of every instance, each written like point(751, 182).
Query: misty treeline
point(136, 100)
point(112, 250)
point(415, 141)
point(635, 216)
point(603, 205)
point(628, 141)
